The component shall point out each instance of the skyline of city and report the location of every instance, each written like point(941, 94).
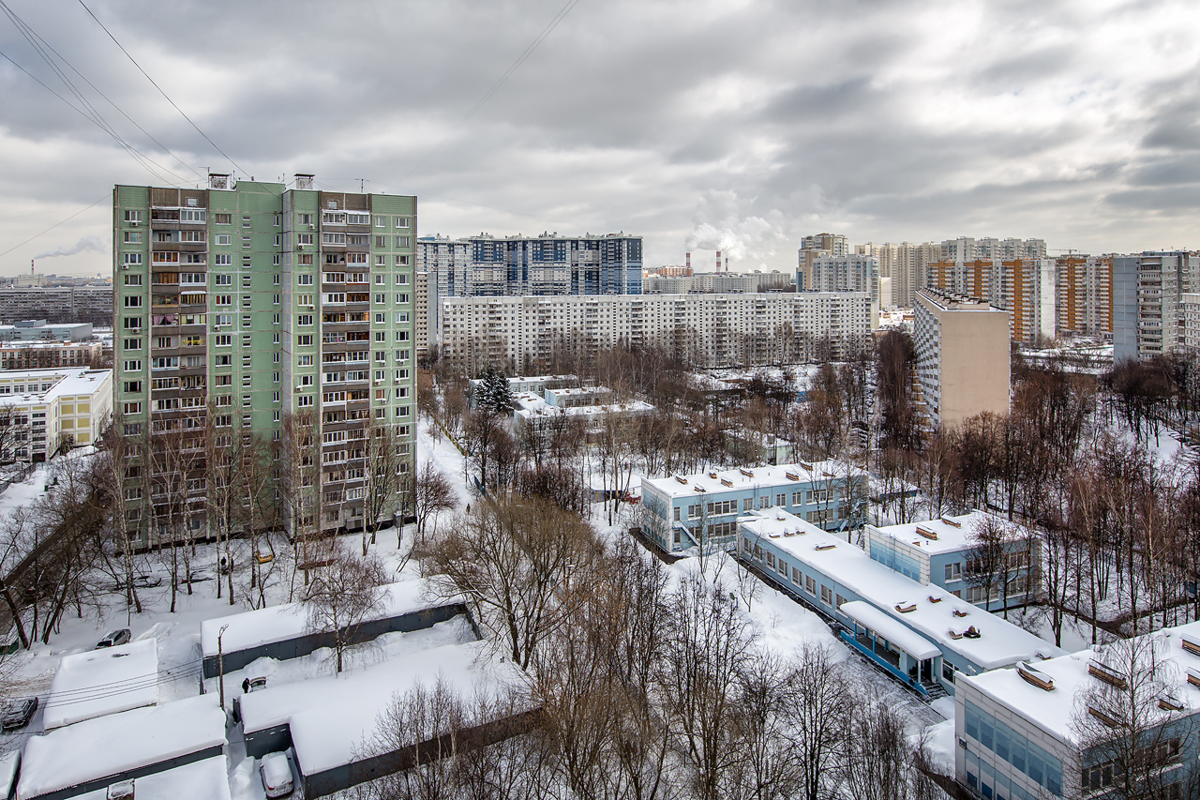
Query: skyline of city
point(698, 127)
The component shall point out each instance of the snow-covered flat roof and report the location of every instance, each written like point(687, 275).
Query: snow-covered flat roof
point(891, 629)
point(748, 478)
point(332, 719)
point(68, 381)
point(531, 406)
point(97, 748)
point(201, 780)
point(289, 620)
point(952, 533)
point(1053, 710)
point(932, 615)
point(105, 681)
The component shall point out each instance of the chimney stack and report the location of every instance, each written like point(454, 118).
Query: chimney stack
point(687, 260)
point(718, 261)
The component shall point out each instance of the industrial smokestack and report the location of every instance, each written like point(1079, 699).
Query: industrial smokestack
point(718, 261)
point(687, 260)
point(727, 264)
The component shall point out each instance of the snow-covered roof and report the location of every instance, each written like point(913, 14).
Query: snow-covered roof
point(332, 719)
point(933, 616)
point(289, 620)
point(8, 771)
point(949, 534)
point(891, 629)
point(1053, 710)
point(766, 476)
point(105, 681)
point(207, 779)
point(110, 745)
point(69, 381)
point(530, 406)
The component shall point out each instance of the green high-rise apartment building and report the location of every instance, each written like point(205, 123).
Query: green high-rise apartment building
point(257, 312)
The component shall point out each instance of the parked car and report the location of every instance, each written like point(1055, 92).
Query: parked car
point(115, 638)
point(255, 684)
point(276, 774)
point(17, 713)
point(197, 577)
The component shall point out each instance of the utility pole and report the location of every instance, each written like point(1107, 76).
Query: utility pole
point(221, 664)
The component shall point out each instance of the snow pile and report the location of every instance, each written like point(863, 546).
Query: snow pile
point(105, 681)
point(106, 746)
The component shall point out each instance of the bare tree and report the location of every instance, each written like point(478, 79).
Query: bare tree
point(818, 710)
point(434, 494)
point(514, 559)
point(708, 643)
point(343, 595)
point(382, 462)
point(1132, 725)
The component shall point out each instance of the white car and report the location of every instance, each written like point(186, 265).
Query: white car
point(276, 774)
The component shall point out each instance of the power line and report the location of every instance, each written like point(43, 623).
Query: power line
point(88, 111)
point(160, 90)
point(119, 110)
point(559, 17)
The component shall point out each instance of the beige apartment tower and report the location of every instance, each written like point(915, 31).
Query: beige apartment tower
point(962, 356)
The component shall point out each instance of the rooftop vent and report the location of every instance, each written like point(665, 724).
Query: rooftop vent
point(681, 479)
point(712, 475)
point(1193, 677)
point(928, 534)
point(726, 482)
point(1103, 715)
point(1170, 702)
point(791, 476)
point(951, 523)
point(746, 472)
point(825, 547)
point(1035, 676)
point(1098, 669)
point(958, 612)
point(933, 599)
point(806, 466)
point(906, 608)
point(1190, 644)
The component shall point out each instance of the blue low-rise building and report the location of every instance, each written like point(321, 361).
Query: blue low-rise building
point(980, 557)
point(920, 634)
point(1041, 730)
point(688, 512)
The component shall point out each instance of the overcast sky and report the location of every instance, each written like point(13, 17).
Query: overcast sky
point(694, 123)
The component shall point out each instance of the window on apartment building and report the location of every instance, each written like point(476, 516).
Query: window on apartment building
point(133, 387)
point(953, 572)
point(133, 280)
point(826, 595)
point(402, 261)
point(402, 222)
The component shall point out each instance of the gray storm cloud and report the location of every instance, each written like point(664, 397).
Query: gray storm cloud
point(87, 243)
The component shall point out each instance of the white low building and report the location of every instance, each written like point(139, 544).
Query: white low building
point(594, 406)
point(54, 408)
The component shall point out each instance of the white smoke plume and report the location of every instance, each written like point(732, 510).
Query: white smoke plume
point(86, 243)
point(719, 225)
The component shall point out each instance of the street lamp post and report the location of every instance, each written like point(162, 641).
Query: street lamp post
point(221, 664)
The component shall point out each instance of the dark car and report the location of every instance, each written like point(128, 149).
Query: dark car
point(17, 713)
point(113, 639)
